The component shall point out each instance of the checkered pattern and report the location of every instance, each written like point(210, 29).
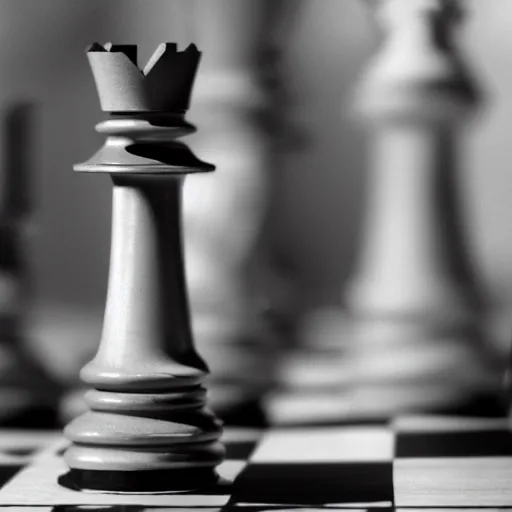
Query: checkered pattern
point(420, 461)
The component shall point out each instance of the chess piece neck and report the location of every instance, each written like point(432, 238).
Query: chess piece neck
point(146, 340)
point(145, 143)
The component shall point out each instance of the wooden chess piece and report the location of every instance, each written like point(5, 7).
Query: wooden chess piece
point(234, 285)
point(416, 305)
point(27, 394)
point(147, 428)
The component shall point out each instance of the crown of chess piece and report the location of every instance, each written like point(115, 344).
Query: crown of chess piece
point(147, 428)
point(417, 306)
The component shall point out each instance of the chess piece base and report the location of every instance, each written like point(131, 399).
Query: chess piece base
point(174, 480)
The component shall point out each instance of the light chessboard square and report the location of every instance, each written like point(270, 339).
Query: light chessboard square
point(453, 482)
point(336, 444)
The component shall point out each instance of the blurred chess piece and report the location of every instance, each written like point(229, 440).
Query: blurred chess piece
point(417, 310)
point(27, 394)
point(507, 386)
point(238, 299)
point(315, 374)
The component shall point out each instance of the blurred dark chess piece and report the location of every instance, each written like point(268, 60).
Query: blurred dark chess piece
point(507, 385)
point(73, 403)
point(28, 396)
point(418, 340)
point(242, 304)
point(147, 429)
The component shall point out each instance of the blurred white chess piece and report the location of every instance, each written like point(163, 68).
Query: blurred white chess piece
point(417, 341)
point(225, 214)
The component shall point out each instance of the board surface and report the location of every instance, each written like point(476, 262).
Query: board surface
point(414, 461)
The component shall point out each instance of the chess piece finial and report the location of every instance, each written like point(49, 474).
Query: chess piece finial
point(414, 295)
point(418, 71)
point(147, 428)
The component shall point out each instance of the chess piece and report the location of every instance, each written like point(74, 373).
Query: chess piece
point(233, 282)
point(507, 387)
point(27, 394)
point(414, 297)
point(147, 428)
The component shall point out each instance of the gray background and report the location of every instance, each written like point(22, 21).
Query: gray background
point(318, 217)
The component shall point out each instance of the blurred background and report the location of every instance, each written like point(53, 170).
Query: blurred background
point(316, 218)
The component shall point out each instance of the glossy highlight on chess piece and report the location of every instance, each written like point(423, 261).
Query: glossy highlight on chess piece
point(147, 429)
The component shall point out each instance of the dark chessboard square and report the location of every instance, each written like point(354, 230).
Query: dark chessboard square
point(40, 418)
point(336, 422)
point(7, 472)
point(314, 483)
point(239, 450)
point(355, 421)
point(482, 443)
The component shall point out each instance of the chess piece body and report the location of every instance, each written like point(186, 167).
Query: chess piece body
point(148, 428)
point(414, 296)
point(236, 289)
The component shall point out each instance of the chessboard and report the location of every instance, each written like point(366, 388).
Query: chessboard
point(411, 462)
